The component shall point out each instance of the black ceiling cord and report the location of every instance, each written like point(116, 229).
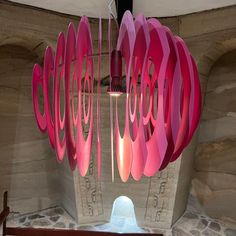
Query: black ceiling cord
point(121, 7)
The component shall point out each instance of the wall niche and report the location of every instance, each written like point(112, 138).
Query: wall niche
point(28, 168)
point(215, 161)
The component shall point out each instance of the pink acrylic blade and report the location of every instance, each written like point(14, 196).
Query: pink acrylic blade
point(59, 124)
point(69, 57)
point(83, 52)
point(172, 73)
point(197, 105)
point(184, 123)
point(159, 53)
point(140, 53)
point(37, 80)
point(123, 144)
point(47, 74)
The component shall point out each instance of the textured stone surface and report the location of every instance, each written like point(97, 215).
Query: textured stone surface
point(212, 22)
point(209, 156)
point(195, 232)
point(217, 129)
point(54, 212)
point(35, 216)
point(27, 168)
point(215, 161)
point(22, 220)
point(224, 200)
point(213, 182)
point(27, 224)
point(60, 225)
point(187, 225)
point(220, 99)
point(190, 215)
point(40, 223)
point(209, 232)
point(230, 232)
point(54, 218)
point(71, 225)
point(202, 224)
point(179, 232)
point(214, 226)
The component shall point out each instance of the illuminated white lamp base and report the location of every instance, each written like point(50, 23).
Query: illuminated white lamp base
point(123, 219)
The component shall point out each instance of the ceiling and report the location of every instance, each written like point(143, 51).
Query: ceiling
point(157, 8)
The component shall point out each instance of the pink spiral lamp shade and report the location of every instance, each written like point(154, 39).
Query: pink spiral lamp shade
point(162, 102)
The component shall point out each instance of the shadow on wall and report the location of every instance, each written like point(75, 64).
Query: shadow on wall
point(28, 168)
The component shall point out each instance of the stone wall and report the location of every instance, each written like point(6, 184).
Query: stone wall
point(215, 162)
point(28, 169)
point(211, 35)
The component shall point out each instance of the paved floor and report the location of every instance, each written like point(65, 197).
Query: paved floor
point(193, 223)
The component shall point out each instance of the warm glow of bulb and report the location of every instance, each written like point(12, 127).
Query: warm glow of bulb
point(115, 94)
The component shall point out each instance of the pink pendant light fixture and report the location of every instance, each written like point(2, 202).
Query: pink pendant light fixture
point(162, 96)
